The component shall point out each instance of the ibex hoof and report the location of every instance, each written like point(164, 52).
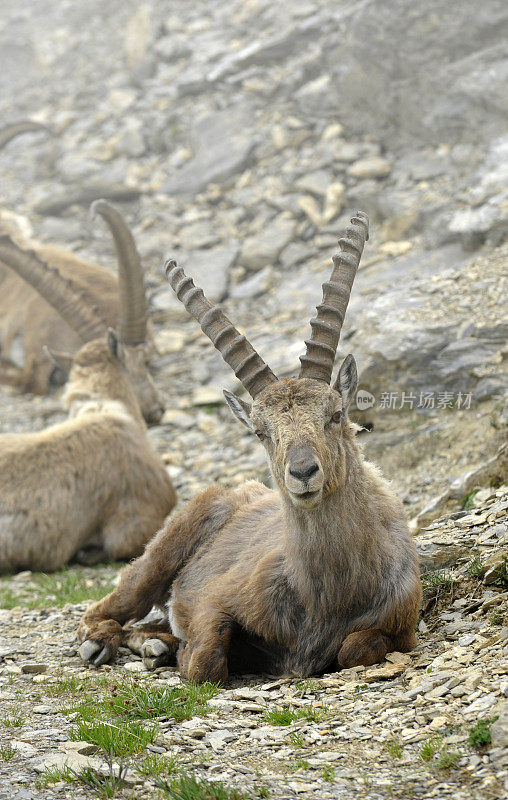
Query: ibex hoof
point(95, 653)
point(155, 653)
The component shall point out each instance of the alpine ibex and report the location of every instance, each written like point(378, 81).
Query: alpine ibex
point(90, 488)
point(28, 321)
point(321, 573)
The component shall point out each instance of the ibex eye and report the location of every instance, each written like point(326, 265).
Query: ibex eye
point(260, 435)
point(337, 416)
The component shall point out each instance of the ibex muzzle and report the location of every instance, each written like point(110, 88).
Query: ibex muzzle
point(303, 476)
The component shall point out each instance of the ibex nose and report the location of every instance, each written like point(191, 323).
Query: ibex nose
point(302, 472)
point(302, 462)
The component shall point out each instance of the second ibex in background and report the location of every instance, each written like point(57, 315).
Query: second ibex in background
point(321, 573)
point(30, 317)
point(90, 488)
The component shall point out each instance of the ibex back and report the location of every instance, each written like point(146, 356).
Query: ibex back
point(90, 488)
point(318, 574)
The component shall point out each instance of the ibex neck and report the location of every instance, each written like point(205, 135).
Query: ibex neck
point(324, 545)
point(79, 406)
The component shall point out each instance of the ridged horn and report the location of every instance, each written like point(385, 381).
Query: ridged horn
point(317, 363)
point(66, 298)
point(14, 129)
point(234, 348)
point(131, 288)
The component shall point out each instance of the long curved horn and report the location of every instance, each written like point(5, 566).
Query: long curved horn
point(9, 132)
point(317, 363)
point(234, 348)
point(69, 300)
point(131, 288)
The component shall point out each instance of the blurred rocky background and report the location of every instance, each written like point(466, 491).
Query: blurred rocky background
point(239, 138)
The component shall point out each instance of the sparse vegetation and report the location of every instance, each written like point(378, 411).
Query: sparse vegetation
point(468, 499)
point(502, 578)
point(480, 734)
point(15, 721)
point(118, 739)
point(328, 773)
point(102, 786)
point(62, 774)
point(65, 586)
point(288, 714)
point(437, 580)
point(307, 686)
point(188, 787)
point(75, 685)
point(155, 765)
point(7, 753)
point(296, 739)
point(475, 568)
point(447, 758)
point(393, 747)
point(495, 617)
point(146, 701)
point(430, 747)
point(436, 751)
point(300, 763)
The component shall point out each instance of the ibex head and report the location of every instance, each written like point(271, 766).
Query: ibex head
point(77, 306)
point(302, 421)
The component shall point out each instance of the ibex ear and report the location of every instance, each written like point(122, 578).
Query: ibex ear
point(62, 361)
point(347, 382)
point(115, 345)
point(240, 408)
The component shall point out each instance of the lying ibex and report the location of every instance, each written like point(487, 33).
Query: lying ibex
point(27, 321)
point(317, 575)
point(90, 488)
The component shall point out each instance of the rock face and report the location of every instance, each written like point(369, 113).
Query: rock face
point(425, 73)
point(223, 150)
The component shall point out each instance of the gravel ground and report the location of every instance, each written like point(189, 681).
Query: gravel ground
point(362, 732)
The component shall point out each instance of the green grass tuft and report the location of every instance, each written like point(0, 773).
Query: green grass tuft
point(288, 714)
point(435, 750)
point(394, 747)
point(156, 766)
point(136, 701)
point(430, 747)
point(120, 739)
point(468, 499)
point(58, 774)
point(480, 734)
point(437, 580)
point(7, 753)
point(188, 787)
point(296, 739)
point(475, 568)
point(14, 722)
point(447, 758)
point(328, 773)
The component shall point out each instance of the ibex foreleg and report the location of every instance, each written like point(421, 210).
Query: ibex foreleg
point(205, 656)
point(147, 581)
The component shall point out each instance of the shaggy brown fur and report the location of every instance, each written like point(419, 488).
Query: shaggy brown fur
point(318, 575)
point(90, 488)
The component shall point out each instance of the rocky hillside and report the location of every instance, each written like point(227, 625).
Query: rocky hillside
point(238, 138)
